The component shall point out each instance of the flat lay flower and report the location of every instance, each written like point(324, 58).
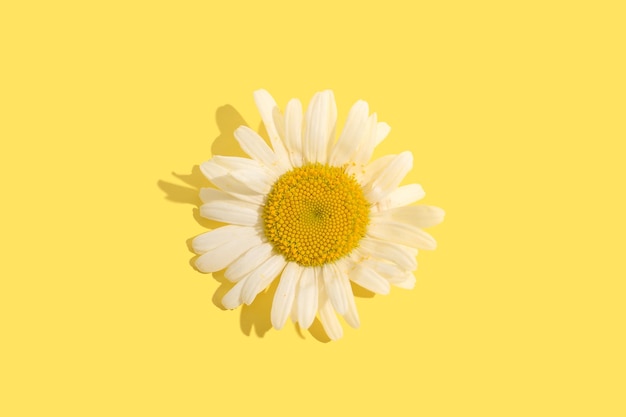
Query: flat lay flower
point(313, 212)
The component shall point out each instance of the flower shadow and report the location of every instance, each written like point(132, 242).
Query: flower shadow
point(228, 120)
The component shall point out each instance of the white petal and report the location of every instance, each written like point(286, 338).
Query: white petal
point(220, 236)
point(370, 280)
point(307, 297)
point(401, 255)
point(352, 315)
point(220, 257)
point(223, 179)
point(231, 185)
point(391, 272)
point(402, 233)
point(262, 277)
point(238, 167)
point(406, 281)
point(390, 177)
point(232, 299)
point(257, 149)
point(253, 180)
point(293, 132)
point(418, 216)
point(424, 240)
point(209, 194)
point(266, 104)
point(366, 175)
point(334, 288)
point(382, 130)
point(232, 163)
point(269, 113)
point(293, 315)
point(232, 211)
point(405, 195)
point(285, 294)
point(351, 136)
point(279, 123)
point(248, 262)
point(321, 117)
point(399, 197)
point(366, 148)
point(327, 315)
point(385, 269)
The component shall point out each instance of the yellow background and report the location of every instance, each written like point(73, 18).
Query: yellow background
point(514, 112)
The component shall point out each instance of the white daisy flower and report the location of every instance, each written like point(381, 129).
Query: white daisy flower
point(314, 213)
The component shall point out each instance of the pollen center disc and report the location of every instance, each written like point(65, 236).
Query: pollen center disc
point(315, 214)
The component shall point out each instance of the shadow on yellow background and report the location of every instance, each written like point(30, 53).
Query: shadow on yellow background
point(257, 315)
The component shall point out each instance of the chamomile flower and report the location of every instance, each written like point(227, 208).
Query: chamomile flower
point(314, 213)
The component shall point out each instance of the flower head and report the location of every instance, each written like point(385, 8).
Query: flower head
point(314, 213)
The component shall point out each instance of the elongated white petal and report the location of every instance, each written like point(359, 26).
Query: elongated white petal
point(405, 195)
point(385, 269)
point(257, 149)
point(344, 267)
point(351, 136)
point(400, 233)
point(229, 184)
point(220, 257)
point(424, 240)
point(232, 299)
point(332, 122)
point(285, 294)
point(370, 280)
point(222, 178)
point(321, 117)
point(293, 314)
point(307, 297)
point(232, 163)
point(220, 236)
point(254, 145)
point(283, 153)
point(407, 281)
point(366, 148)
point(392, 273)
point(248, 262)
point(327, 315)
point(401, 255)
point(389, 178)
point(366, 175)
point(293, 132)
point(262, 277)
point(253, 180)
point(208, 194)
point(279, 122)
point(399, 197)
point(230, 211)
point(270, 113)
point(266, 104)
point(382, 130)
point(418, 216)
point(235, 165)
point(334, 288)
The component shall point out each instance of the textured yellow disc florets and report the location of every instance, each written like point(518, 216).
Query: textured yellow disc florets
point(315, 214)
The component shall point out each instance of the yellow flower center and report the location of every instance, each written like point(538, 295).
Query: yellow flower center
point(315, 214)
